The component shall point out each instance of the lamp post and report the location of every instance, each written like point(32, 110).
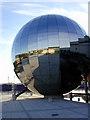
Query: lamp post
point(8, 84)
point(13, 90)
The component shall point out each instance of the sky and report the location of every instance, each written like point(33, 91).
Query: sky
point(14, 15)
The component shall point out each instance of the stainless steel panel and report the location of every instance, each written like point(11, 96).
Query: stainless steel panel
point(36, 54)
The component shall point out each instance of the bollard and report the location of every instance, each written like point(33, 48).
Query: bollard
point(70, 96)
point(78, 99)
point(14, 96)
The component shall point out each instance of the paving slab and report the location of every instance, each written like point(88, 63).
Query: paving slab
point(38, 104)
point(14, 115)
point(55, 114)
point(34, 107)
point(11, 106)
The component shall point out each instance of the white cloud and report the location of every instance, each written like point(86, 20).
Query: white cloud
point(32, 5)
point(23, 12)
point(55, 11)
point(80, 17)
point(27, 12)
point(6, 69)
point(5, 41)
point(6, 65)
point(84, 6)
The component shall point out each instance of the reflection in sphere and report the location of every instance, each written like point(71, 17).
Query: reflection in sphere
point(37, 59)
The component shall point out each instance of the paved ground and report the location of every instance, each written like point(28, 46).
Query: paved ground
point(33, 107)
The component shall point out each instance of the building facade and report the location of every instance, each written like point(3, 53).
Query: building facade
point(82, 46)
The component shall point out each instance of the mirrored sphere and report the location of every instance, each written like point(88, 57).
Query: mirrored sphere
point(36, 55)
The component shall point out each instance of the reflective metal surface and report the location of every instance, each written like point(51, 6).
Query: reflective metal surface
point(36, 54)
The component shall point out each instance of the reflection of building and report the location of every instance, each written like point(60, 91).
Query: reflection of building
point(17, 59)
point(89, 81)
point(45, 51)
point(51, 51)
point(82, 46)
point(38, 44)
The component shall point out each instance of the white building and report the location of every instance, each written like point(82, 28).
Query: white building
point(82, 46)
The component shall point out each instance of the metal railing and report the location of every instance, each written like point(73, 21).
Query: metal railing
point(81, 94)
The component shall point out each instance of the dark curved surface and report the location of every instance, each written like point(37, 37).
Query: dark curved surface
point(36, 54)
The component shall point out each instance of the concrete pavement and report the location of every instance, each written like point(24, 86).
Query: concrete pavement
point(36, 107)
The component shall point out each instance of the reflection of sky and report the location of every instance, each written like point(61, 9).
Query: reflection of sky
point(15, 15)
point(47, 31)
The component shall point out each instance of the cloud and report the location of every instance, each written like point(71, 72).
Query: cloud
point(6, 42)
point(84, 6)
point(79, 16)
point(5, 62)
point(7, 69)
point(23, 12)
point(29, 12)
point(55, 11)
point(32, 5)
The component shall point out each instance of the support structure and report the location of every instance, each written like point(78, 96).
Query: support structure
point(22, 92)
point(14, 95)
point(70, 96)
point(86, 89)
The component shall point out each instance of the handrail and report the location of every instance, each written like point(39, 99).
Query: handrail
point(80, 93)
point(71, 95)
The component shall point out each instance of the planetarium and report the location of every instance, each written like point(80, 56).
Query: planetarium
point(37, 58)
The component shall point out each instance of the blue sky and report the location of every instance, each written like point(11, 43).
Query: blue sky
point(16, 14)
